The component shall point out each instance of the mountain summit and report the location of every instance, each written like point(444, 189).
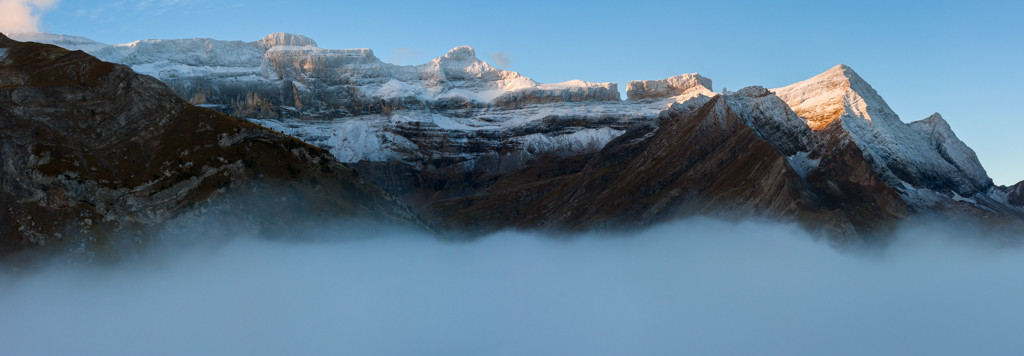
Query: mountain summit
point(915, 161)
point(825, 97)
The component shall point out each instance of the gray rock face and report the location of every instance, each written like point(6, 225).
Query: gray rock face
point(1016, 195)
point(95, 156)
point(663, 88)
point(771, 119)
point(942, 139)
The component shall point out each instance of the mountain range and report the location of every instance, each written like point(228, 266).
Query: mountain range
point(101, 139)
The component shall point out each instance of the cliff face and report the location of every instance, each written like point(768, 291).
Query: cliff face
point(663, 88)
point(93, 151)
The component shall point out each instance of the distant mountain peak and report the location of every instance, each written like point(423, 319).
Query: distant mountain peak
point(286, 39)
point(934, 123)
point(852, 79)
point(825, 97)
point(936, 117)
point(461, 53)
point(841, 68)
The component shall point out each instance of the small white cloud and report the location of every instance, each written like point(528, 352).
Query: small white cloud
point(502, 59)
point(162, 5)
point(23, 15)
point(401, 55)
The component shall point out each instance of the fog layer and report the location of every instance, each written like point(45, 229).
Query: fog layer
point(693, 287)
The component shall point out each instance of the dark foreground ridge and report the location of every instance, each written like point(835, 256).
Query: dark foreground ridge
point(93, 152)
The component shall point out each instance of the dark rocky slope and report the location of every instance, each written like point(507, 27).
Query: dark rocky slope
point(93, 152)
point(696, 162)
point(1016, 195)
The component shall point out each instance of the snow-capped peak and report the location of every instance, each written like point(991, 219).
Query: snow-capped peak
point(932, 123)
point(923, 155)
point(823, 98)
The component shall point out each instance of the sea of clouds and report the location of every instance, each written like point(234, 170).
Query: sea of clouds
point(700, 287)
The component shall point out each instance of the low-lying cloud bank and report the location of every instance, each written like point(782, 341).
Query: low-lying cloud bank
point(694, 287)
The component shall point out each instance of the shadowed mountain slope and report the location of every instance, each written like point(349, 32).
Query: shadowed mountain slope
point(93, 151)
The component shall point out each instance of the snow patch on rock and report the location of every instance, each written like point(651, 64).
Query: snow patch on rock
point(348, 140)
point(582, 141)
point(957, 197)
point(802, 163)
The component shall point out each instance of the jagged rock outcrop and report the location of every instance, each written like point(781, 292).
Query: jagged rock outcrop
point(95, 155)
point(944, 141)
point(771, 119)
point(1015, 196)
point(668, 87)
point(285, 39)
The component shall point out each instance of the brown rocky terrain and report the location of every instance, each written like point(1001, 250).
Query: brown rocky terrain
point(696, 162)
point(93, 152)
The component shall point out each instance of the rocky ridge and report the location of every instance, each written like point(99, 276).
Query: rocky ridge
point(923, 155)
point(471, 146)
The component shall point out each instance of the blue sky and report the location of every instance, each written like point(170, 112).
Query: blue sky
point(958, 58)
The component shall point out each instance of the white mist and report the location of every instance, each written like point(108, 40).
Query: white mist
point(695, 287)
